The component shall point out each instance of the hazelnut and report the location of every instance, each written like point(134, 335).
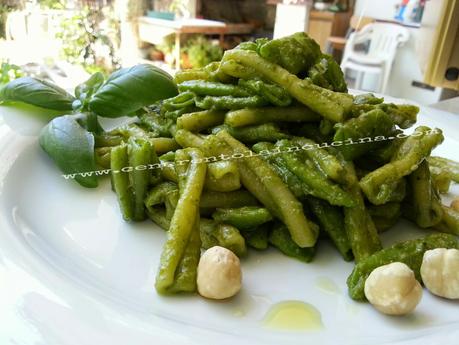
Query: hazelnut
point(219, 273)
point(440, 272)
point(393, 289)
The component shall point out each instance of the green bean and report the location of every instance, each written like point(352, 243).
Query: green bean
point(325, 161)
point(157, 125)
point(270, 153)
point(315, 181)
point(449, 222)
point(385, 153)
point(257, 238)
point(296, 53)
point(160, 145)
point(281, 239)
point(234, 199)
point(184, 219)
point(274, 94)
point(201, 120)
point(187, 269)
point(217, 74)
point(403, 115)
point(140, 155)
point(311, 131)
point(390, 192)
point(447, 165)
point(135, 131)
point(328, 74)
point(120, 180)
point(360, 229)
point(258, 116)
point(158, 216)
point(326, 127)
point(243, 218)
point(253, 134)
point(230, 102)
point(331, 221)
point(102, 156)
point(107, 139)
point(168, 156)
point(182, 100)
point(208, 88)
point(441, 179)
point(194, 74)
point(165, 193)
point(385, 216)
point(249, 179)
point(409, 252)
point(389, 210)
point(329, 104)
point(367, 98)
point(223, 176)
point(423, 205)
point(187, 139)
point(237, 70)
point(407, 159)
point(288, 207)
point(223, 235)
point(163, 145)
point(360, 135)
point(168, 171)
point(132, 130)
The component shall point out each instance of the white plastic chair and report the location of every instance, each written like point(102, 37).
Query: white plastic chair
point(384, 39)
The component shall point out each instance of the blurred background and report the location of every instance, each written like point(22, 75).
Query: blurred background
point(402, 48)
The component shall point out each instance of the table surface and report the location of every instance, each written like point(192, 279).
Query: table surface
point(450, 105)
point(183, 23)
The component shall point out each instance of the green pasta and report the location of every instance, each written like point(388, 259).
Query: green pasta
point(257, 116)
point(185, 218)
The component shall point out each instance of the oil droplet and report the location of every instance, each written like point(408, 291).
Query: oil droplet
point(239, 312)
point(327, 285)
point(293, 316)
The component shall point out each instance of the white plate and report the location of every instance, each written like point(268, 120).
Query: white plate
point(73, 273)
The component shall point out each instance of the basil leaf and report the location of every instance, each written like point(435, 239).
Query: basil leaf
point(71, 147)
point(129, 89)
point(84, 91)
point(36, 92)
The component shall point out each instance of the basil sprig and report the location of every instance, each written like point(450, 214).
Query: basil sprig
point(84, 91)
point(69, 139)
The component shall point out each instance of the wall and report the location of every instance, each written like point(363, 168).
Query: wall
point(379, 9)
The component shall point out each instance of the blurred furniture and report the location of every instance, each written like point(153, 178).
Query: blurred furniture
point(438, 46)
point(323, 24)
point(291, 19)
point(337, 43)
point(383, 40)
point(154, 30)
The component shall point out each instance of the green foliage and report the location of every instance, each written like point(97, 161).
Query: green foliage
point(88, 38)
point(9, 72)
point(53, 4)
point(201, 51)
